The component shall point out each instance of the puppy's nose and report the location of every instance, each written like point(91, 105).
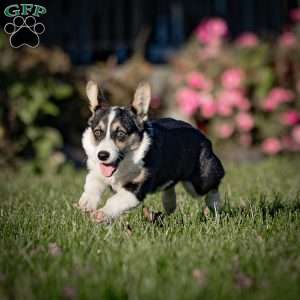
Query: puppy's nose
point(103, 155)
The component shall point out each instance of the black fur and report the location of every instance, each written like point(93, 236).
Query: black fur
point(99, 114)
point(178, 152)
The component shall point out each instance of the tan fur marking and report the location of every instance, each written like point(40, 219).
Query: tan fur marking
point(141, 177)
point(101, 126)
point(117, 125)
point(132, 142)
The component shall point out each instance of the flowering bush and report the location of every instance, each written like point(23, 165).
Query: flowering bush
point(246, 91)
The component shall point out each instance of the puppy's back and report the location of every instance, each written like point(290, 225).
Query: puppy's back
point(176, 148)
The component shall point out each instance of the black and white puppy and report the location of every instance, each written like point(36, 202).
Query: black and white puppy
point(136, 157)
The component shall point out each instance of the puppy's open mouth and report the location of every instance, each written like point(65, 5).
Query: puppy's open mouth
point(109, 169)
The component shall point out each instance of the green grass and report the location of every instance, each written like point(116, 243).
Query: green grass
point(252, 252)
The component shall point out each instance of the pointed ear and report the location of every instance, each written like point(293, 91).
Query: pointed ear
point(92, 91)
point(141, 100)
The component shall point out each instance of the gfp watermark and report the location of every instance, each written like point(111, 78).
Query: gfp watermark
point(24, 30)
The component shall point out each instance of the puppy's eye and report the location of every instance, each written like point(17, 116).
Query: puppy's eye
point(121, 135)
point(98, 132)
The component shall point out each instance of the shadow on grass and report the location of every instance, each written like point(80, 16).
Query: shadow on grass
point(263, 207)
point(260, 208)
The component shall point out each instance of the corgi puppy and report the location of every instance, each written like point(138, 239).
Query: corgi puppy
point(135, 156)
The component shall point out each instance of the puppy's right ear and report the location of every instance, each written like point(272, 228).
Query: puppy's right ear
point(92, 92)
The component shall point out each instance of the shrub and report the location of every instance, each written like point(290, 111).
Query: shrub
point(245, 91)
point(32, 85)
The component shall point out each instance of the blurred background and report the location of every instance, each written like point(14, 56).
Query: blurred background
point(231, 68)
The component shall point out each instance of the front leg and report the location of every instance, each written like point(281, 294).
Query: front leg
point(169, 200)
point(93, 189)
point(116, 205)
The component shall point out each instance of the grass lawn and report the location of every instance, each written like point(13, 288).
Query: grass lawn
point(49, 250)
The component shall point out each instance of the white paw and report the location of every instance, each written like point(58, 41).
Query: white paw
point(86, 203)
point(99, 216)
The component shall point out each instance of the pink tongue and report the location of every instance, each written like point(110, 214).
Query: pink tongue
point(107, 170)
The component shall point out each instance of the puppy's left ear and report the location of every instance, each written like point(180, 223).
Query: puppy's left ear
point(141, 101)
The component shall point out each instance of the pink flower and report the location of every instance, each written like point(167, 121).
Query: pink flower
point(230, 99)
point(290, 117)
point(296, 134)
point(224, 109)
point(271, 146)
point(277, 96)
point(245, 139)
point(244, 121)
point(198, 81)
point(295, 14)
point(247, 40)
point(234, 98)
point(270, 104)
point(208, 106)
point(287, 39)
point(282, 94)
point(224, 130)
point(243, 104)
point(188, 101)
point(211, 31)
point(233, 78)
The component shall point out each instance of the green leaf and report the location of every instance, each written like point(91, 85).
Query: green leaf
point(15, 90)
point(62, 91)
point(50, 109)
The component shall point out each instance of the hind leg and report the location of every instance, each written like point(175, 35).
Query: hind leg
point(169, 200)
point(189, 188)
point(213, 201)
point(212, 198)
point(207, 177)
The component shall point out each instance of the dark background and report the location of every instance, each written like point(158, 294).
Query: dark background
point(93, 29)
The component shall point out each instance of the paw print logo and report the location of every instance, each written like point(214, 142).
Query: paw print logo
point(24, 32)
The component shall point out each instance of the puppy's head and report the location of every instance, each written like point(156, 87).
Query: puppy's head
point(115, 131)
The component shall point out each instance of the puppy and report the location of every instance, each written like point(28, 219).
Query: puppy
point(136, 157)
